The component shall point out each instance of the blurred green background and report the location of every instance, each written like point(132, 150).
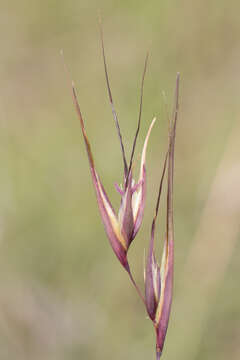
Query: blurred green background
point(63, 294)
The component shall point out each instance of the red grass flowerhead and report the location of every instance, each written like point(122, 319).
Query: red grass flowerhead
point(159, 280)
point(120, 228)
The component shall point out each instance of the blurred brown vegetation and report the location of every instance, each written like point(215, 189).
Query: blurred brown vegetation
point(63, 294)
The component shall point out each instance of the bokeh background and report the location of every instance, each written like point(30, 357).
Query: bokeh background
point(63, 294)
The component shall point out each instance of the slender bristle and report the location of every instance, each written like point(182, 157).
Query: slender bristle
point(171, 162)
point(139, 116)
point(112, 104)
point(161, 184)
point(170, 153)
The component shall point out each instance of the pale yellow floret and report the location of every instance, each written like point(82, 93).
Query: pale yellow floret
point(137, 196)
